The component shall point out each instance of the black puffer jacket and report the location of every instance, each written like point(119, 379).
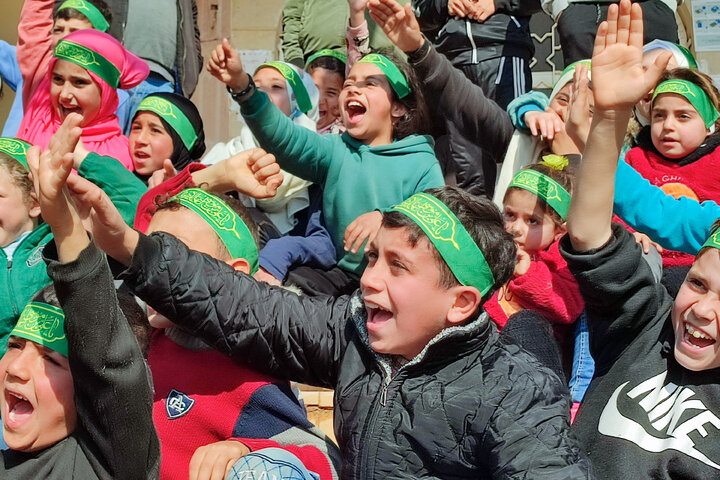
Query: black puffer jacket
point(466, 407)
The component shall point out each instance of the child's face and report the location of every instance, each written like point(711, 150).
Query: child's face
point(36, 396)
point(532, 228)
point(73, 90)
point(273, 83)
point(367, 107)
point(329, 85)
point(696, 313)
point(405, 303)
point(561, 102)
point(150, 144)
point(62, 28)
point(676, 127)
point(17, 216)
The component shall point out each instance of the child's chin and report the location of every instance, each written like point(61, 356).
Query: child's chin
point(695, 363)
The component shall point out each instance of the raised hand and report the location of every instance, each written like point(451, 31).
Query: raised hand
point(159, 176)
point(619, 80)
point(579, 110)
point(226, 66)
point(545, 124)
point(398, 23)
point(50, 170)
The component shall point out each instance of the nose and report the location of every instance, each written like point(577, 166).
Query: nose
point(707, 308)
point(19, 366)
point(515, 228)
point(371, 279)
point(669, 123)
point(142, 136)
point(66, 94)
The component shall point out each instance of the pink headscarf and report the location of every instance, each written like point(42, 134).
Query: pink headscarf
point(103, 135)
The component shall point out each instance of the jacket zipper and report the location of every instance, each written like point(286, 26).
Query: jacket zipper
point(468, 30)
point(11, 292)
point(372, 420)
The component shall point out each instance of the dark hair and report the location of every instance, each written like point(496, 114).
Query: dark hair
point(328, 63)
point(130, 309)
point(483, 221)
point(69, 13)
point(236, 205)
point(564, 177)
point(698, 78)
point(416, 120)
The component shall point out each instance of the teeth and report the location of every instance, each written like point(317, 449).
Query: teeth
point(18, 396)
point(696, 333)
point(354, 104)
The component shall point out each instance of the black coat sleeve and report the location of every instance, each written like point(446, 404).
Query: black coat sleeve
point(268, 328)
point(621, 295)
point(450, 95)
point(518, 8)
point(113, 386)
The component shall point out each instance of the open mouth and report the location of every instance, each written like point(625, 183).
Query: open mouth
point(139, 155)
point(696, 338)
point(355, 111)
point(376, 315)
point(19, 409)
point(67, 110)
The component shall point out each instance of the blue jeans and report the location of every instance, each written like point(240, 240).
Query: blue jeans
point(270, 464)
point(153, 84)
point(583, 366)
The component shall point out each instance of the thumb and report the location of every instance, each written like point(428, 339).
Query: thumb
point(168, 167)
point(655, 71)
point(228, 49)
point(412, 20)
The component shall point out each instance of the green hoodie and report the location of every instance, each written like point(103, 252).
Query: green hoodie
point(355, 177)
point(21, 278)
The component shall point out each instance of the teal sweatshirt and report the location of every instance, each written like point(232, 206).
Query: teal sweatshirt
point(22, 277)
point(355, 177)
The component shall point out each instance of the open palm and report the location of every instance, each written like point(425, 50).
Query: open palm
point(618, 76)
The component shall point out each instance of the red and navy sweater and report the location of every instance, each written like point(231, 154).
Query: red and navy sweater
point(202, 397)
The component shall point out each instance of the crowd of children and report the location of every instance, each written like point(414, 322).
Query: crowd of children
point(158, 302)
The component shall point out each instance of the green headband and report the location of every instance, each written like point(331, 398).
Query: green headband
point(44, 325)
point(172, 114)
point(397, 80)
point(97, 19)
point(15, 148)
point(544, 187)
point(326, 52)
point(88, 59)
point(233, 232)
point(713, 240)
point(694, 94)
point(293, 78)
point(450, 238)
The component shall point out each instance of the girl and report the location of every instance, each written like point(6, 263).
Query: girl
point(679, 150)
point(295, 95)
point(165, 126)
point(376, 163)
point(534, 207)
point(327, 70)
point(86, 69)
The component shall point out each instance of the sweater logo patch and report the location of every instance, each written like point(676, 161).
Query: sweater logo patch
point(659, 417)
point(35, 257)
point(177, 404)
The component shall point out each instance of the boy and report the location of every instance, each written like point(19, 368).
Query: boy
point(210, 410)
point(423, 387)
point(652, 407)
point(75, 395)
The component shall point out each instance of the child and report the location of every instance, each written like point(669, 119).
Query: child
point(652, 408)
point(535, 207)
point(679, 151)
point(377, 162)
point(75, 393)
point(23, 234)
point(422, 385)
point(327, 70)
point(165, 126)
point(207, 422)
point(74, 83)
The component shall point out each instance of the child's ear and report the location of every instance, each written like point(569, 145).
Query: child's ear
point(34, 210)
point(560, 230)
point(398, 110)
point(467, 301)
point(240, 265)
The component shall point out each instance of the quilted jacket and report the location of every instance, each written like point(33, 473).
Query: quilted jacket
point(468, 406)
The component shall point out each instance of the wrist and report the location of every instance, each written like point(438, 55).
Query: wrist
point(418, 50)
point(240, 86)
